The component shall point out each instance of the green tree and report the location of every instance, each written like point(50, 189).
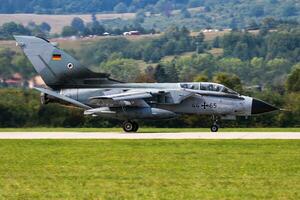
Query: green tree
point(293, 80)
point(195, 3)
point(283, 44)
point(140, 16)
point(96, 28)
point(78, 24)
point(216, 42)
point(122, 69)
point(256, 71)
point(257, 63)
point(160, 74)
point(252, 25)
point(241, 45)
point(199, 42)
point(45, 27)
point(23, 66)
point(278, 66)
point(229, 80)
point(11, 28)
point(289, 10)
point(171, 72)
point(231, 65)
point(164, 7)
point(268, 23)
point(201, 78)
point(6, 67)
point(189, 66)
point(185, 13)
point(257, 11)
point(151, 53)
point(291, 117)
point(69, 31)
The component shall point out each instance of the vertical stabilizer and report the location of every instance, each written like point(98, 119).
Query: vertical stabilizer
point(56, 67)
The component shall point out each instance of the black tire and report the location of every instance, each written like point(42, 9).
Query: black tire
point(128, 126)
point(44, 99)
point(214, 128)
point(135, 127)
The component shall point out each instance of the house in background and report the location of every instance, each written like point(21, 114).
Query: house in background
point(131, 33)
point(16, 80)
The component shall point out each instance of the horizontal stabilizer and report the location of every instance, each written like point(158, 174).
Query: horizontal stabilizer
point(64, 98)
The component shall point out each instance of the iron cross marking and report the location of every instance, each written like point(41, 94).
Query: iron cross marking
point(204, 105)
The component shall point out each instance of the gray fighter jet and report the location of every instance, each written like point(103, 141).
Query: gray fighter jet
point(71, 83)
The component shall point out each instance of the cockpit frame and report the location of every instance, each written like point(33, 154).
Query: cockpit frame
point(208, 87)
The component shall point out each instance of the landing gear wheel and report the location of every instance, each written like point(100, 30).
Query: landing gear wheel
point(130, 126)
point(214, 128)
point(135, 127)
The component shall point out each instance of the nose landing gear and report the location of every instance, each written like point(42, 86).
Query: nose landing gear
point(130, 126)
point(215, 126)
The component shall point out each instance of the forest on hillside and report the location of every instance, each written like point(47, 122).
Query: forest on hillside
point(256, 8)
point(158, 15)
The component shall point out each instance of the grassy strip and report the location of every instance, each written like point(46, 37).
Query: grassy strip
point(152, 169)
point(148, 130)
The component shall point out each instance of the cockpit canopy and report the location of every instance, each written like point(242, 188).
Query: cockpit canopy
point(206, 86)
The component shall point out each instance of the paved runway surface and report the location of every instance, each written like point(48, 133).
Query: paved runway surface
point(200, 135)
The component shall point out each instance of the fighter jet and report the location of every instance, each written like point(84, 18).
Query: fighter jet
point(68, 82)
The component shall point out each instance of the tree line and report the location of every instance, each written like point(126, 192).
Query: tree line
point(263, 58)
point(21, 108)
point(79, 28)
point(255, 8)
point(7, 30)
point(174, 42)
point(160, 14)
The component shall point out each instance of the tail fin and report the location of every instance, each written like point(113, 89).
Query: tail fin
point(57, 68)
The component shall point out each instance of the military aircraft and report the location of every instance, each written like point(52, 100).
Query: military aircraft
point(68, 82)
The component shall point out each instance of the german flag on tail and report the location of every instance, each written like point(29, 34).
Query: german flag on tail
point(56, 57)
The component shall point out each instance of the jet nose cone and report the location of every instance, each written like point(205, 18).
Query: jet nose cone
point(259, 107)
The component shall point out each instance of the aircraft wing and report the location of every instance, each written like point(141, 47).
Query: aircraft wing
point(61, 97)
point(176, 96)
point(130, 95)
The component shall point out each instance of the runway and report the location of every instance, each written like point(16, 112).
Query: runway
point(195, 135)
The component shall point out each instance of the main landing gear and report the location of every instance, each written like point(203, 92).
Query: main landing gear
point(215, 126)
point(130, 126)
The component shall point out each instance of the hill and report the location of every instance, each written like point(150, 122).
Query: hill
point(153, 14)
point(256, 8)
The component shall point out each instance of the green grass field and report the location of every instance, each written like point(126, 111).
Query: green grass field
point(148, 130)
point(152, 169)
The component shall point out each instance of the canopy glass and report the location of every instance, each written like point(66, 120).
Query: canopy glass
point(205, 86)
